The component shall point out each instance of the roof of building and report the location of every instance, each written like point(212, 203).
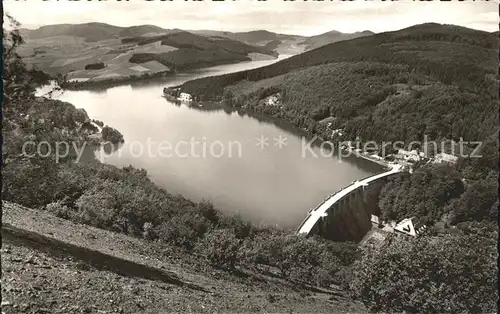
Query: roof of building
point(446, 157)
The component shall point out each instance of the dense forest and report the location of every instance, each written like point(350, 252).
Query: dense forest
point(449, 269)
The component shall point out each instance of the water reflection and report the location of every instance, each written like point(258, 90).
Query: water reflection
point(285, 126)
point(109, 148)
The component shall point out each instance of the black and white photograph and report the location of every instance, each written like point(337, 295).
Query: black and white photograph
point(249, 156)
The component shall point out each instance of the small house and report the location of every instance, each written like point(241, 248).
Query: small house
point(445, 158)
point(272, 100)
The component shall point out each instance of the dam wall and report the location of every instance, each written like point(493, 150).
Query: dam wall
point(346, 214)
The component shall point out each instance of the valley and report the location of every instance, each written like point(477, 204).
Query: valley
point(127, 232)
point(103, 53)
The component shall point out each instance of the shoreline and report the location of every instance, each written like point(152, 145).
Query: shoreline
point(279, 122)
point(113, 82)
point(108, 83)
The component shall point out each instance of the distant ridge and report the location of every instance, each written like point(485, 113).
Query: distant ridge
point(427, 48)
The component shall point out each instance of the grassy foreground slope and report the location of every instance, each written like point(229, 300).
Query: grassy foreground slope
point(439, 81)
point(433, 79)
point(53, 265)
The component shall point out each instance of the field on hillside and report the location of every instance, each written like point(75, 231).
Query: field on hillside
point(67, 54)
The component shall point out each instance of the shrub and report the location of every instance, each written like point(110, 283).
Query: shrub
point(447, 274)
point(320, 113)
point(183, 230)
point(112, 135)
point(220, 247)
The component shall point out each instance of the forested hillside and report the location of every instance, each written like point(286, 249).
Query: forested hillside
point(194, 51)
point(439, 80)
point(182, 39)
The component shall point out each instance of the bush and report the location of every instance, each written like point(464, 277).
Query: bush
point(221, 247)
point(98, 122)
point(112, 135)
point(320, 113)
point(183, 230)
point(148, 231)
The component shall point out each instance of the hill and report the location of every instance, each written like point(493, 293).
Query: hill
point(395, 85)
point(314, 42)
point(256, 37)
point(98, 52)
point(285, 43)
point(96, 229)
point(194, 50)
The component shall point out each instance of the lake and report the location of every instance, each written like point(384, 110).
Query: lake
point(264, 170)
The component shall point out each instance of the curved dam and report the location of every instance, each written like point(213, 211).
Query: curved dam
point(346, 214)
